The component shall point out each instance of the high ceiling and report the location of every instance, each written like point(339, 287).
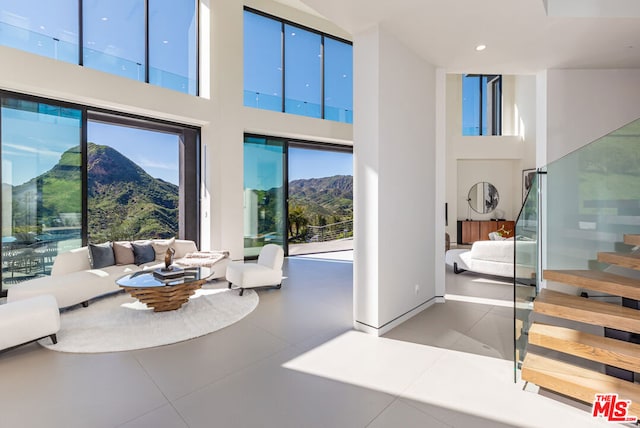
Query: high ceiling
point(519, 34)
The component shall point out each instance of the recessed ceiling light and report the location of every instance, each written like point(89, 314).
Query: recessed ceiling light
point(165, 42)
point(481, 47)
point(104, 18)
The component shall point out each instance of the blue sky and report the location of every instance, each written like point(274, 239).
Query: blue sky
point(305, 163)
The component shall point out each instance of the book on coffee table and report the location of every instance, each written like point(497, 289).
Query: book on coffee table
point(174, 272)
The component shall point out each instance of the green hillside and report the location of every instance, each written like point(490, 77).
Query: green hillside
point(318, 202)
point(125, 202)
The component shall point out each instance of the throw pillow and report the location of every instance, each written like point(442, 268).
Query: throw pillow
point(101, 255)
point(143, 253)
point(123, 252)
point(160, 246)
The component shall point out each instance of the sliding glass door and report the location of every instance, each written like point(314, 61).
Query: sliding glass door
point(298, 195)
point(320, 199)
point(41, 186)
point(264, 193)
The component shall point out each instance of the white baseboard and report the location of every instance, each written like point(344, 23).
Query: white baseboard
point(379, 331)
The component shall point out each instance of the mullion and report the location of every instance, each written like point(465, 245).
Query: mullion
point(80, 34)
point(480, 104)
point(282, 64)
point(146, 41)
point(322, 76)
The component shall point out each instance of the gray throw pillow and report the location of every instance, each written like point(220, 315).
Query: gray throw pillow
point(143, 253)
point(101, 255)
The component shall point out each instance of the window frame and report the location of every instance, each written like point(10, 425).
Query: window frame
point(322, 35)
point(493, 101)
point(189, 216)
point(286, 144)
point(81, 37)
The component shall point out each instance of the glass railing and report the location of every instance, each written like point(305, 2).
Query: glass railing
point(579, 205)
point(526, 245)
point(593, 198)
point(302, 108)
point(45, 45)
point(173, 81)
point(38, 43)
point(113, 64)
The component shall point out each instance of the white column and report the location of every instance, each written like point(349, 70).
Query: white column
point(395, 198)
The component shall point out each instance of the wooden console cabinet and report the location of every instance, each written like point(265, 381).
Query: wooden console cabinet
point(470, 231)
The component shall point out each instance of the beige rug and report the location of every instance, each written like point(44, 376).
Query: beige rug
point(122, 323)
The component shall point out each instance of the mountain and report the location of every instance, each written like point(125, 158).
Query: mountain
point(124, 202)
point(325, 200)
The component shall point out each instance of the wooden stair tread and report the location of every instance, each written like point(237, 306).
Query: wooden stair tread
point(577, 382)
point(598, 281)
point(604, 350)
point(632, 239)
point(628, 260)
point(576, 308)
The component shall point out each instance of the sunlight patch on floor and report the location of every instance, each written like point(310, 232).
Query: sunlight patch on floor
point(491, 281)
point(458, 381)
point(479, 300)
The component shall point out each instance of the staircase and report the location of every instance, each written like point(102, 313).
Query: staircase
point(572, 380)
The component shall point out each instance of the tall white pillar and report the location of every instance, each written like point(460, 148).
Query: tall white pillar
point(395, 198)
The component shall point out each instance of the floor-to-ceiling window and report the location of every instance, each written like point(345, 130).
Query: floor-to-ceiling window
point(41, 185)
point(264, 193)
point(133, 182)
point(72, 174)
point(152, 41)
point(297, 194)
point(320, 208)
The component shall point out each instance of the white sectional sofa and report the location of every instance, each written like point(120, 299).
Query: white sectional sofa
point(73, 281)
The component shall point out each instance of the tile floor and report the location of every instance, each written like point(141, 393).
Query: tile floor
point(296, 362)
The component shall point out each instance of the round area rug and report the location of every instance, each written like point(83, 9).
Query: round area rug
point(122, 323)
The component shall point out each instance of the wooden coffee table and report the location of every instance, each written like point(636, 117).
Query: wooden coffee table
point(164, 295)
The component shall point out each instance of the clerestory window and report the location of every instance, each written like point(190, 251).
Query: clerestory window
point(292, 69)
point(481, 104)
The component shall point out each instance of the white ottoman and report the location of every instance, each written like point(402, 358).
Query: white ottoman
point(27, 320)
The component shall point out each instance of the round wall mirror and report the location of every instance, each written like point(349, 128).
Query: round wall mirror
point(483, 197)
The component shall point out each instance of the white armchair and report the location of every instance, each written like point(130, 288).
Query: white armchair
point(266, 273)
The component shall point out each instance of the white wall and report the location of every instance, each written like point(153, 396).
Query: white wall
point(497, 172)
point(583, 105)
point(219, 110)
point(524, 102)
point(394, 151)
